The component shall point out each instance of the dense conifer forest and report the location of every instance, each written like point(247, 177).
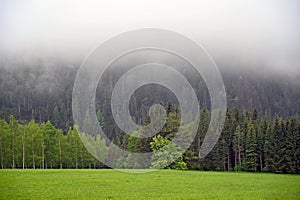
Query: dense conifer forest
point(261, 131)
point(43, 93)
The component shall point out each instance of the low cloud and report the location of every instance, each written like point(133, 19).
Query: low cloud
point(245, 34)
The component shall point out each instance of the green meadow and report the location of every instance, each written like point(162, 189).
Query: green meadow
point(161, 184)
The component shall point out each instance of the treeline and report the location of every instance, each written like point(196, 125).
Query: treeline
point(34, 145)
point(247, 143)
point(43, 91)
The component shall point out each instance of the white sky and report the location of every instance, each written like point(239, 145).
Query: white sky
point(249, 31)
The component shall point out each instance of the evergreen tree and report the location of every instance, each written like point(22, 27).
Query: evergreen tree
point(293, 146)
point(268, 151)
point(56, 117)
point(191, 156)
point(238, 147)
point(262, 131)
point(277, 146)
point(251, 148)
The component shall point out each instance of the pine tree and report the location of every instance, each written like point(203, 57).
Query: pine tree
point(293, 145)
point(251, 147)
point(191, 156)
point(269, 139)
point(56, 116)
point(262, 131)
point(228, 133)
point(238, 147)
point(277, 146)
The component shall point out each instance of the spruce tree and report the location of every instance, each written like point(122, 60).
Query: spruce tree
point(292, 145)
point(278, 147)
point(251, 145)
point(238, 147)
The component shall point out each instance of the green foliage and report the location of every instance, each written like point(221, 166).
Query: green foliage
point(43, 146)
point(247, 143)
point(256, 145)
point(166, 154)
point(237, 168)
point(5, 149)
point(293, 145)
point(238, 146)
point(251, 147)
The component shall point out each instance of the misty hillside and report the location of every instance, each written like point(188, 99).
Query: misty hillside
point(44, 93)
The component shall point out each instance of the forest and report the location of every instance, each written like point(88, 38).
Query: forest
point(43, 91)
point(261, 131)
point(247, 143)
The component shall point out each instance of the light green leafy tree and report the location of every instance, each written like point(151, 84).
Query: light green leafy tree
point(164, 152)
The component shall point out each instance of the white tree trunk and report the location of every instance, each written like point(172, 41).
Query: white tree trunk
point(59, 153)
point(23, 151)
point(1, 153)
point(32, 146)
point(43, 155)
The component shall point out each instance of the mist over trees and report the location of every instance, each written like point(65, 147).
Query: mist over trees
point(261, 132)
point(45, 93)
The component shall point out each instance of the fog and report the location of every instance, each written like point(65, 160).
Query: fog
point(251, 34)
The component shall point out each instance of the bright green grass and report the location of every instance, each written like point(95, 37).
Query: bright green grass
point(163, 184)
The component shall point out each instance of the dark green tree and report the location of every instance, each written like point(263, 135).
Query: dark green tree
point(251, 148)
point(292, 145)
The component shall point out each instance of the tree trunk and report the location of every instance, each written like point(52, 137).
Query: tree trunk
point(1, 154)
point(235, 159)
point(19, 111)
point(33, 161)
point(240, 161)
point(32, 113)
point(60, 163)
point(261, 163)
point(23, 151)
point(43, 155)
point(13, 150)
point(32, 146)
point(228, 161)
point(82, 165)
point(40, 115)
point(76, 164)
point(76, 157)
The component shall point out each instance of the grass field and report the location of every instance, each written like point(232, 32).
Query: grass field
point(162, 184)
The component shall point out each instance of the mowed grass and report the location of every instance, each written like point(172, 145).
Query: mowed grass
point(162, 184)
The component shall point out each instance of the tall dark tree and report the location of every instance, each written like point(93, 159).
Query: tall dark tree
point(251, 147)
point(277, 146)
point(238, 147)
point(292, 145)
